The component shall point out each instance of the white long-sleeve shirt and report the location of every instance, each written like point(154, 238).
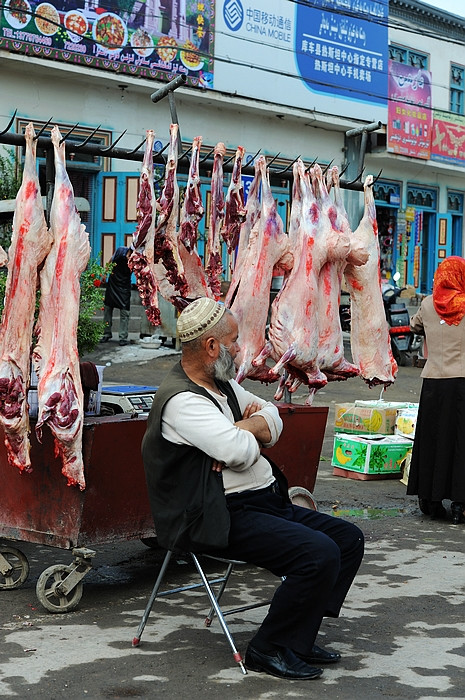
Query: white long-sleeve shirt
point(192, 419)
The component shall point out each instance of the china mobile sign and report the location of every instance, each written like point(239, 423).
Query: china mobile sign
point(305, 54)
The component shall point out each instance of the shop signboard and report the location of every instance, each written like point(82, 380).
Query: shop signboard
point(448, 138)
point(146, 38)
point(325, 55)
point(409, 111)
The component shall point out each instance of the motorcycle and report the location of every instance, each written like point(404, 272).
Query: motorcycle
point(404, 342)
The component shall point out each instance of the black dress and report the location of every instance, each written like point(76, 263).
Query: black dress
point(437, 469)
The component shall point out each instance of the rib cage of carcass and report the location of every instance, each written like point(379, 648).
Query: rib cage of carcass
point(300, 342)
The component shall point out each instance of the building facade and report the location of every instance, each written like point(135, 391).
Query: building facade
point(280, 77)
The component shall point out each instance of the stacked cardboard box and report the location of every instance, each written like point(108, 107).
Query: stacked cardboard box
point(369, 457)
point(365, 446)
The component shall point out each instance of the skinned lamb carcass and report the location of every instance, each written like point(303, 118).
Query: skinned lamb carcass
point(293, 333)
point(192, 208)
point(168, 267)
point(235, 210)
point(30, 243)
point(141, 259)
point(252, 214)
point(268, 247)
point(191, 213)
point(56, 358)
point(294, 328)
point(331, 358)
point(214, 266)
point(370, 341)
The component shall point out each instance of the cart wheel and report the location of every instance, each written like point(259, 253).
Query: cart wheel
point(20, 568)
point(50, 597)
point(302, 497)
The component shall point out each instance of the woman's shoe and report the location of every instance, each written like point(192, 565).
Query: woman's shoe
point(437, 510)
point(457, 510)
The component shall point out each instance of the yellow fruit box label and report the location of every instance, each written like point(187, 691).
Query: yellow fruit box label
point(350, 418)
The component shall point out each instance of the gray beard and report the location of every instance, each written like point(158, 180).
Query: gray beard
point(223, 368)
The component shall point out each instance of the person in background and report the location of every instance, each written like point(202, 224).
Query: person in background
point(437, 469)
point(203, 422)
point(118, 295)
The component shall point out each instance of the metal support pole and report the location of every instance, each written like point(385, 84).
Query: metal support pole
point(50, 181)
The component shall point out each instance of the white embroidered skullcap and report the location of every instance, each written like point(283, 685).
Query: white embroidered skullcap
point(197, 318)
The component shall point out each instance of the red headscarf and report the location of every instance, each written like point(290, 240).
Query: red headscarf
point(449, 290)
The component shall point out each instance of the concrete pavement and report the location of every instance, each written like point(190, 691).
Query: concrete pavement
point(401, 632)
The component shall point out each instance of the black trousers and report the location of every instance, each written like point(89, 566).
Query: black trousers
point(318, 554)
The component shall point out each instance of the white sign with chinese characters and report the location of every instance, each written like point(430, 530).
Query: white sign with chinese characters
point(329, 56)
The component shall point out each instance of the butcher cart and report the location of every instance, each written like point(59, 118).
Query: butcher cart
point(40, 508)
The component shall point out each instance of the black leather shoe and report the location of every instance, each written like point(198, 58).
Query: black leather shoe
point(457, 510)
point(105, 339)
point(284, 665)
point(124, 342)
point(321, 656)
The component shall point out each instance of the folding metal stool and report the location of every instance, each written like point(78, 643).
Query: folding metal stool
point(214, 599)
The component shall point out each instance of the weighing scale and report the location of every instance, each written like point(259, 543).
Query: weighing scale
point(128, 398)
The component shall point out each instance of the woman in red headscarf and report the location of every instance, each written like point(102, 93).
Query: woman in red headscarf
point(437, 470)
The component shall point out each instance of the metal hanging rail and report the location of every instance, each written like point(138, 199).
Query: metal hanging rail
point(137, 154)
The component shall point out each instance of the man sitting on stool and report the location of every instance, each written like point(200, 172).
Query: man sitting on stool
point(200, 413)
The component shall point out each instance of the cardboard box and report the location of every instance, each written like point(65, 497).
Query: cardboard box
point(374, 418)
point(406, 422)
point(378, 454)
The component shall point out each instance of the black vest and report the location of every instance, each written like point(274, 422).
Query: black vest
point(186, 497)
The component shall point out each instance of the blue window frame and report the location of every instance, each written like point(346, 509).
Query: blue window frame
point(457, 83)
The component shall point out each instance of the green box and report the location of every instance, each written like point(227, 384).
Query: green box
point(378, 454)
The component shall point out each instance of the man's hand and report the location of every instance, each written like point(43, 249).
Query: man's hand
point(217, 466)
point(256, 425)
point(251, 408)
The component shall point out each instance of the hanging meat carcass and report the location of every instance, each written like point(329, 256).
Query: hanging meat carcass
point(3, 257)
point(370, 342)
point(169, 269)
point(214, 266)
point(235, 210)
point(141, 260)
point(30, 243)
point(56, 358)
point(192, 208)
point(268, 247)
point(156, 261)
point(191, 214)
point(252, 214)
point(331, 358)
point(293, 333)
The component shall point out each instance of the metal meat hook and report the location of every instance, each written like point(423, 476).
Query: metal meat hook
point(43, 129)
point(376, 178)
point(63, 138)
point(281, 172)
point(112, 145)
point(9, 123)
point(84, 143)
